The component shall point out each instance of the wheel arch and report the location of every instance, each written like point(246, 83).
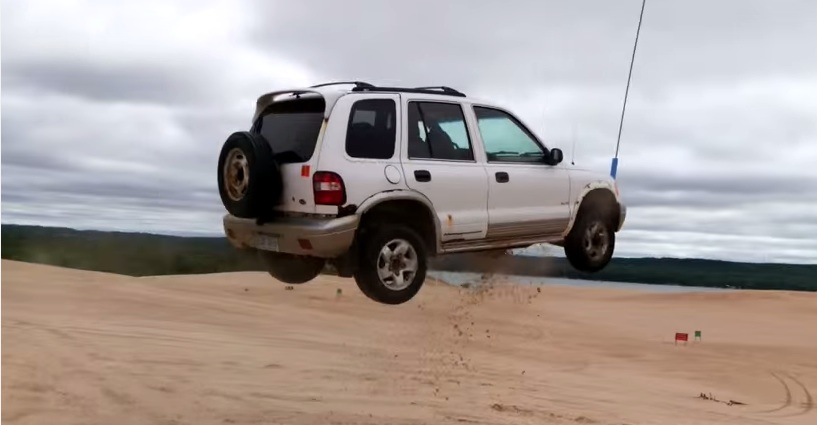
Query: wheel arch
point(595, 194)
point(411, 206)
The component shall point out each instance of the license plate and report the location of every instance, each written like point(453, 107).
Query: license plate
point(266, 242)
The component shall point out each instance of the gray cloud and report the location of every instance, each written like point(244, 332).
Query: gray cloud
point(737, 188)
point(116, 122)
point(499, 44)
point(135, 82)
point(456, 43)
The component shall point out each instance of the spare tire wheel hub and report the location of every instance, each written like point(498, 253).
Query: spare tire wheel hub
point(236, 174)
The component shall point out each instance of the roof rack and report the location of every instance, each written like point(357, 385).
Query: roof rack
point(443, 90)
point(337, 83)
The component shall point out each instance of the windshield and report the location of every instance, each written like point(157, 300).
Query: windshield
point(291, 127)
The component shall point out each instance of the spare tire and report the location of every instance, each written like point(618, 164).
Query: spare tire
point(249, 180)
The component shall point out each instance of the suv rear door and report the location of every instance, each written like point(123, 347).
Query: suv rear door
point(439, 161)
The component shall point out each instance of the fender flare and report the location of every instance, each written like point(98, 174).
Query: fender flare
point(403, 195)
point(589, 187)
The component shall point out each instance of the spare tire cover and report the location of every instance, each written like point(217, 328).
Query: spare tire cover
point(249, 180)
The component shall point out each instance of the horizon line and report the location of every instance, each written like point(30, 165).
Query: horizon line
point(217, 235)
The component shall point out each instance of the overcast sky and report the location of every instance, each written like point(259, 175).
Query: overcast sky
point(113, 113)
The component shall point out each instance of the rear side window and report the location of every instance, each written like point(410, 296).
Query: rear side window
point(291, 127)
point(371, 130)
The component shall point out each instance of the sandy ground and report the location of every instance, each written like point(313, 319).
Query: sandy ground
point(92, 348)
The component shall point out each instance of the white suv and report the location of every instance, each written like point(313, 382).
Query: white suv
point(372, 181)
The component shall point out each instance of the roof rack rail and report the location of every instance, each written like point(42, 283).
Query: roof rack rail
point(337, 83)
point(422, 90)
point(445, 89)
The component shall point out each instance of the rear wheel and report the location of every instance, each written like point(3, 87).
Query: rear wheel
point(392, 265)
point(292, 269)
point(590, 244)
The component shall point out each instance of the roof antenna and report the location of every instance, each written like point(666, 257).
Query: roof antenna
point(573, 150)
point(614, 164)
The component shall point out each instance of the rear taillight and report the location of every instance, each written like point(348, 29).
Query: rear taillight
point(328, 188)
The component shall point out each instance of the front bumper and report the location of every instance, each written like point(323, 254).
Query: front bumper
point(621, 216)
point(316, 237)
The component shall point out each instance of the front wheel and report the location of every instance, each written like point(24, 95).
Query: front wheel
point(590, 244)
point(392, 265)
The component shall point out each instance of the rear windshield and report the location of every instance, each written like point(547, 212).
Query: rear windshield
point(291, 127)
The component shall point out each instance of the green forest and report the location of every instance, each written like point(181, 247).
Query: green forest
point(141, 254)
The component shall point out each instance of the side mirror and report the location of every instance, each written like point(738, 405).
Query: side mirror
point(555, 157)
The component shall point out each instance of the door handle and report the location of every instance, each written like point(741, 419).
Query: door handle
point(422, 175)
point(502, 177)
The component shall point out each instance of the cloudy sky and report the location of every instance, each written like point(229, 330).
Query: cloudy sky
point(113, 113)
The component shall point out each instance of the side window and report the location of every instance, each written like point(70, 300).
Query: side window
point(438, 131)
point(505, 139)
point(371, 131)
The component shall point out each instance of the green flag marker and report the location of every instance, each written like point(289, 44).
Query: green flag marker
point(698, 335)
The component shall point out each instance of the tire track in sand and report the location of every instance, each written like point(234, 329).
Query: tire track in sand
point(807, 405)
point(787, 402)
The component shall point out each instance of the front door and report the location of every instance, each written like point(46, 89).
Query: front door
point(526, 197)
point(439, 162)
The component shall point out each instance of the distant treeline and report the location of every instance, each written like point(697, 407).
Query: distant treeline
point(134, 254)
point(662, 271)
point(140, 254)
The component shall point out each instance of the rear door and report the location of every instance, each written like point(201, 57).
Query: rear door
point(293, 128)
point(438, 161)
point(526, 197)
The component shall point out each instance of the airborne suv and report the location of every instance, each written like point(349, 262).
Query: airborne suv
point(373, 181)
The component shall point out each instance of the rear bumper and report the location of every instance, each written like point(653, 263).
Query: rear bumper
point(316, 237)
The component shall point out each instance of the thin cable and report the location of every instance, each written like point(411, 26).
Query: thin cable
point(629, 77)
point(573, 150)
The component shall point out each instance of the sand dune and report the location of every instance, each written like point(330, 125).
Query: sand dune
point(93, 348)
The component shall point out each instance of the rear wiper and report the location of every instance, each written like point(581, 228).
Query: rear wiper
point(288, 156)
